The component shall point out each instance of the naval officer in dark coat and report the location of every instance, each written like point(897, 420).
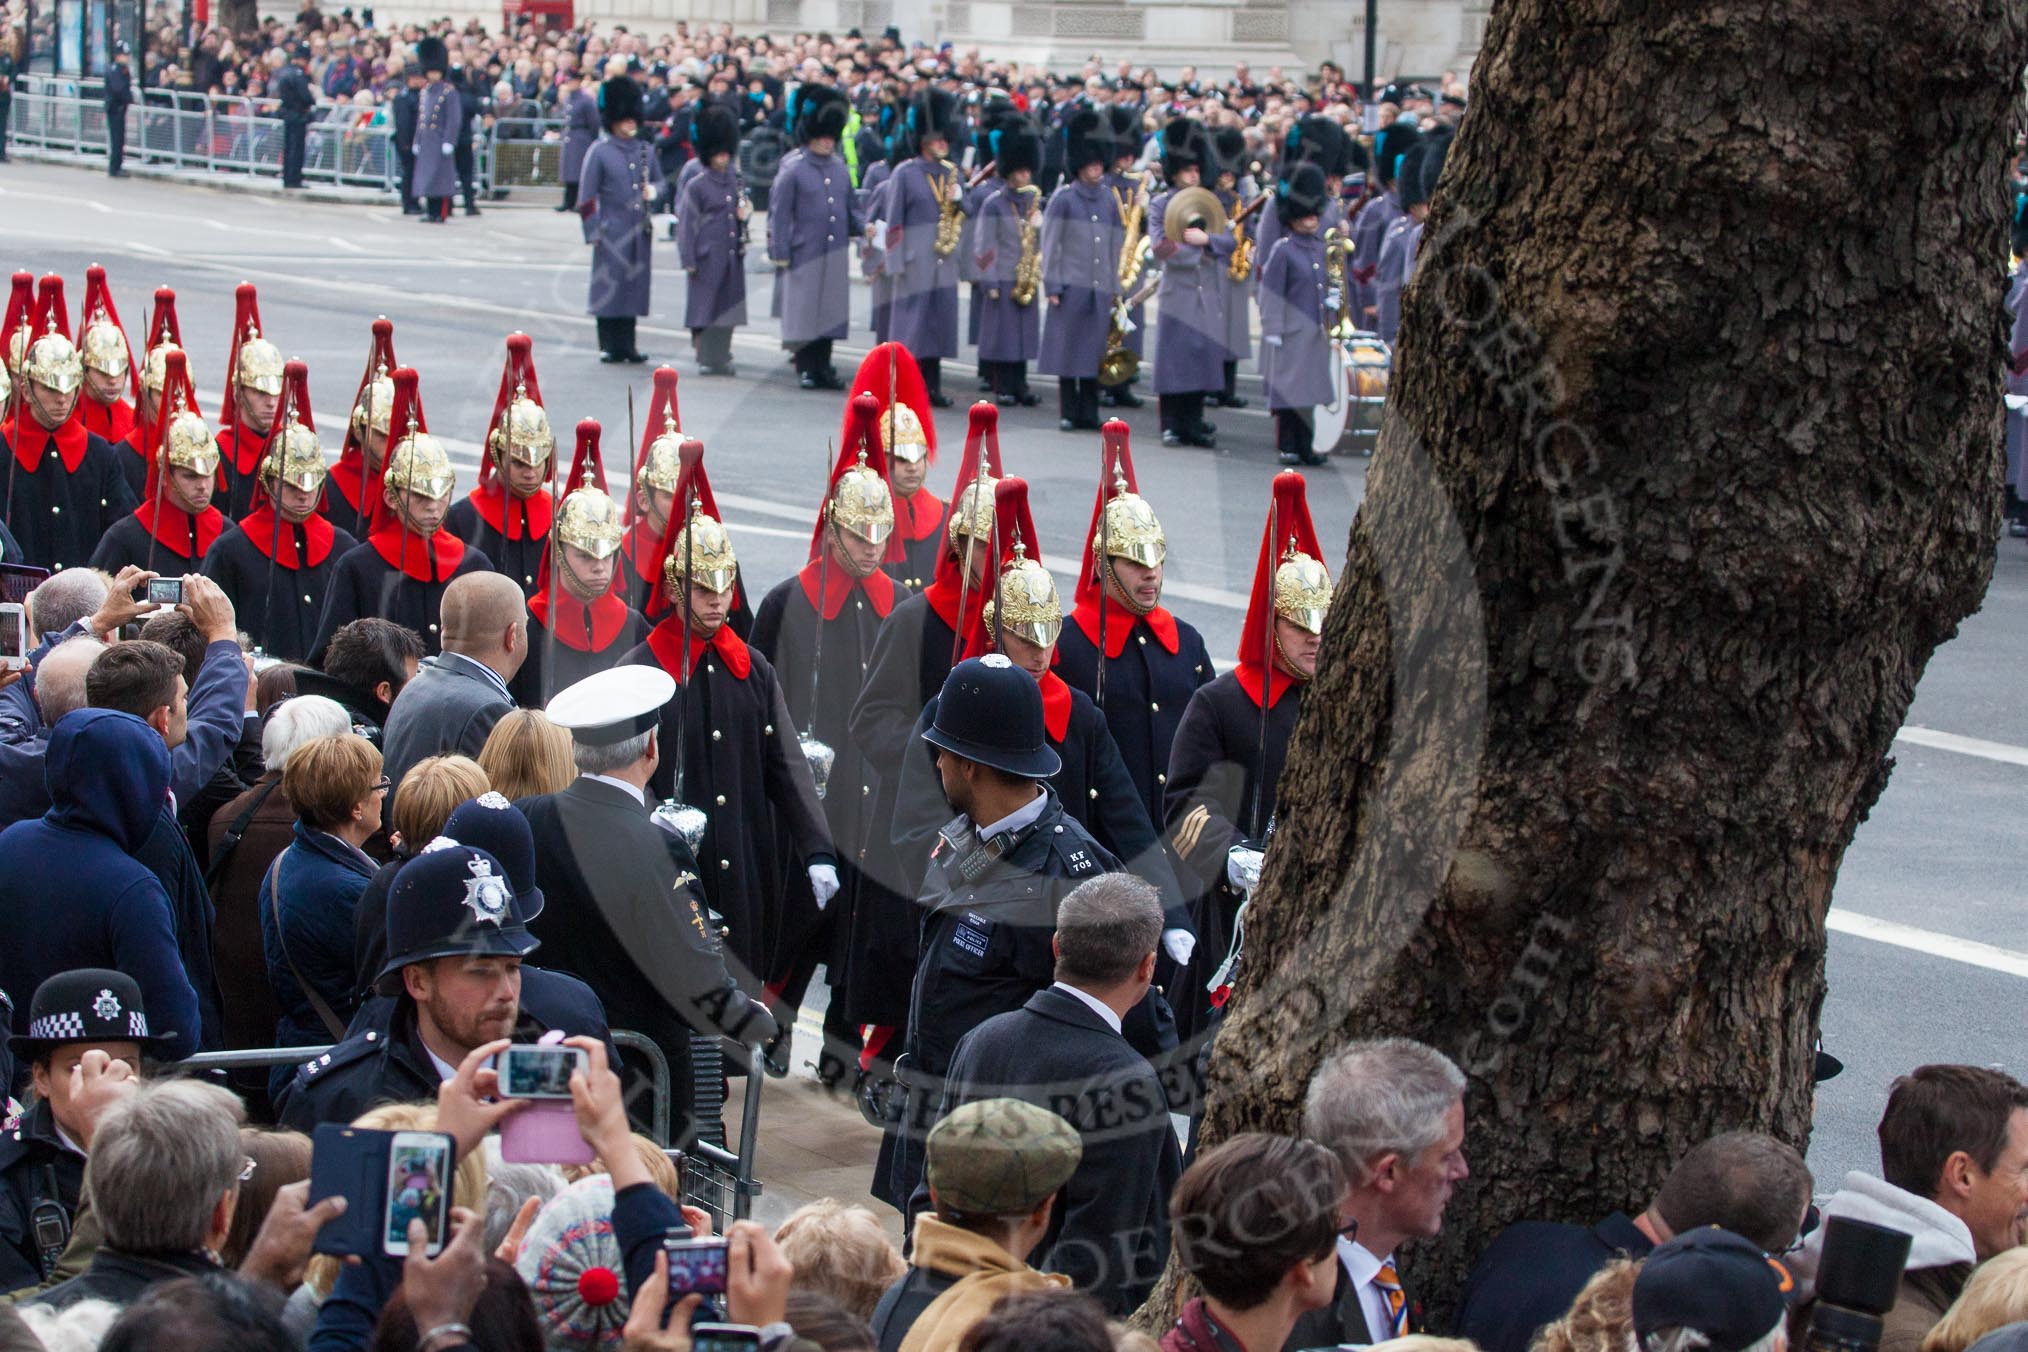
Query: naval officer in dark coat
point(623, 907)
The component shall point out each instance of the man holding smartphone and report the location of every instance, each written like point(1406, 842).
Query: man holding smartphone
point(454, 980)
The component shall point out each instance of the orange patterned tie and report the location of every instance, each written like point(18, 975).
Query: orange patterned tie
point(1389, 1283)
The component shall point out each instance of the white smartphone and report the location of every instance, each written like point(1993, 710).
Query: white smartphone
point(531, 1071)
point(13, 637)
point(418, 1188)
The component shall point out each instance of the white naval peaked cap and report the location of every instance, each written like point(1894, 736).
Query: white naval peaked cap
point(611, 706)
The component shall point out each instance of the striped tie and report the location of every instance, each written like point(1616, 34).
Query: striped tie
point(1389, 1283)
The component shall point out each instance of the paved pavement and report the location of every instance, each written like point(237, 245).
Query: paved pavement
point(1938, 864)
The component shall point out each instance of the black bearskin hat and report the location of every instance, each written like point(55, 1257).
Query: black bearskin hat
point(1125, 125)
point(1229, 145)
point(1319, 141)
point(820, 111)
point(1408, 180)
point(714, 131)
point(932, 112)
point(1300, 193)
point(619, 101)
point(1388, 149)
point(1013, 144)
point(432, 55)
point(1086, 141)
point(1434, 147)
point(1186, 144)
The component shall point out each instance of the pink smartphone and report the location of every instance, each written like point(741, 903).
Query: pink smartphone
point(546, 1131)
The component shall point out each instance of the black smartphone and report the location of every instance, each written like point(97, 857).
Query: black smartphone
point(696, 1266)
point(723, 1337)
point(166, 591)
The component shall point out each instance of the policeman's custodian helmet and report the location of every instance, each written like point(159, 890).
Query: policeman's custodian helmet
point(990, 711)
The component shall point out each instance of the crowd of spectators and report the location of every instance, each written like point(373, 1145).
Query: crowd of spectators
point(522, 75)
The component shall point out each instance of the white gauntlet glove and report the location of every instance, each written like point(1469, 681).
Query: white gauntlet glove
point(1242, 867)
point(1179, 945)
point(824, 883)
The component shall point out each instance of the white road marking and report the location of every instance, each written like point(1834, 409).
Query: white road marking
point(1964, 746)
point(345, 243)
point(151, 250)
point(1968, 951)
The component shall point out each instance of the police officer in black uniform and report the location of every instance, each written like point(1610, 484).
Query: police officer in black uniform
point(119, 97)
point(456, 936)
point(989, 901)
point(42, 1157)
point(298, 101)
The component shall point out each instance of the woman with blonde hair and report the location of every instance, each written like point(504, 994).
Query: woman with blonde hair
point(1996, 1295)
point(841, 1251)
point(526, 755)
point(1601, 1319)
point(423, 802)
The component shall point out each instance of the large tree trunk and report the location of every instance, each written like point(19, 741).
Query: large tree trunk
point(1690, 466)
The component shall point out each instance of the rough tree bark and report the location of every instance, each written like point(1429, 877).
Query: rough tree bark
point(1690, 466)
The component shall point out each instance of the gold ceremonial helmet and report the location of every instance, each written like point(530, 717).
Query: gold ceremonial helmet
point(156, 369)
point(191, 444)
point(860, 503)
point(591, 521)
point(1033, 610)
point(260, 364)
point(418, 464)
point(972, 512)
point(1130, 529)
point(704, 546)
point(53, 363)
point(377, 398)
point(6, 384)
point(295, 458)
point(1302, 590)
point(523, 432)
point(105, 348)
point(664, 464)
point(17, 348)
point(901, 434)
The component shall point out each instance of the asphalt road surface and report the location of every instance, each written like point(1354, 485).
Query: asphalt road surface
point(1927, 957)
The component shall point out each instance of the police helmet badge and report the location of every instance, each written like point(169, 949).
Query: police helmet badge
point(486, 894)
point(107, 1006)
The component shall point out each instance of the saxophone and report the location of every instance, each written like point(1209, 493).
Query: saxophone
point(950, 210)
point(1028, 271)
point(1242, 253)
point(1134, 216)
point(1338, 248)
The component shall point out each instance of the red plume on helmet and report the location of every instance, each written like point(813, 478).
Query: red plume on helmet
point(295, 401)
point(246, 313)
point(908, 383)
point(98, 299)
point(691, 479)
point(1011, 522)
point(982, 441)
point(407, 402)
point(20, 310)
point(50, 308)
point(162, 320)
point(587, 466)
point(518, 372)
point(379, 356)
point(1288, 520)
point(1114, 455)
point(662, 407)
point(862, 430)
point(175, 381)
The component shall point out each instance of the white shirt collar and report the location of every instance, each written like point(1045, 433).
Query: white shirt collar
point(445, 1070)
point(1024, 815)
point(633, 789)
point(63, 1139)
point(1361, 1266)
point(1096, 1005)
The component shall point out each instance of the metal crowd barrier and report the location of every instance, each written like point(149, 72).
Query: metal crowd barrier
point(518, 152)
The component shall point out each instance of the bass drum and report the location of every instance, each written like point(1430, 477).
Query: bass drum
point(1330, 420)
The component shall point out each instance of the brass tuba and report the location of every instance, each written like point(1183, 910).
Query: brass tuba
point(1028, 271)
point(950, 210)
point(1337, 250)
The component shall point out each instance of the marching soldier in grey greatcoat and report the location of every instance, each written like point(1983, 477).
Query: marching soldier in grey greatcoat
point(621, 178)
point(812, 217)
point(711, 215)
